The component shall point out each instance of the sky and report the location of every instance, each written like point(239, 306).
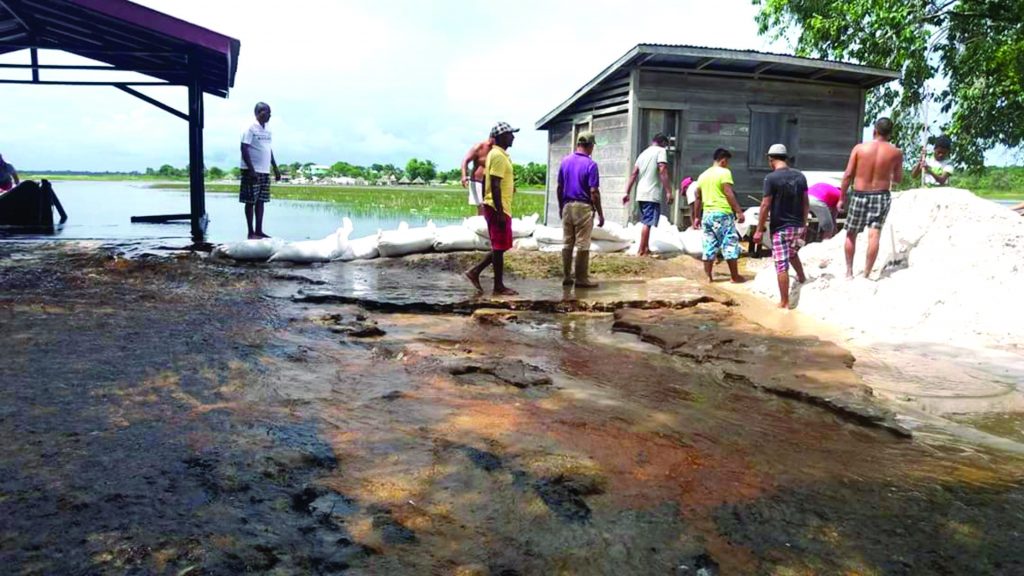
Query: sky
point(362, 81)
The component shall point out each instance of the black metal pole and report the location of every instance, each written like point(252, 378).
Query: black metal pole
point(197, 186)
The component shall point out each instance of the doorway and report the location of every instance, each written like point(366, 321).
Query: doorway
point(669, 123)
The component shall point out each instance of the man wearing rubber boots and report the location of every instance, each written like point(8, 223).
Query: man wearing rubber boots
point(579, 198)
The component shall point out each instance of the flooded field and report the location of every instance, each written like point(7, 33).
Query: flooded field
point(176, 415)
point(103, 211)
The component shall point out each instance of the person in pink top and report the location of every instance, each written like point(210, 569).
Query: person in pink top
point(824, 200)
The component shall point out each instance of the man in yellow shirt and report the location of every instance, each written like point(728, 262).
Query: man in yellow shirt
point(499, 189)
point(717, 213)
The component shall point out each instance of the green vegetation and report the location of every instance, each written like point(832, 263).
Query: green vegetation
point(975, 46)
point(426, 202)
point(996, 183)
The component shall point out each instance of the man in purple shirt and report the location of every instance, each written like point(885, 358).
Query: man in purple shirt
point(579, 197)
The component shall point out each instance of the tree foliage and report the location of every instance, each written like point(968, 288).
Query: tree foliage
point(975, 48)
point(425, 169)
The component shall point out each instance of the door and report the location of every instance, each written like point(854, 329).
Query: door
point(652, 122)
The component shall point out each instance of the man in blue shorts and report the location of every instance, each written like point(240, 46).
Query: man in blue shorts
point(650, 174)
point(717, 213)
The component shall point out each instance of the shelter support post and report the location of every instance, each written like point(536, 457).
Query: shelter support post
point(197, 186)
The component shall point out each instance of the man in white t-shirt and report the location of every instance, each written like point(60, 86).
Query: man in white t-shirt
point(650, 174)
point(937, 168)
point(257, 160)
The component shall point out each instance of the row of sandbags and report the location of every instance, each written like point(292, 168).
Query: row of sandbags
point(471, 235)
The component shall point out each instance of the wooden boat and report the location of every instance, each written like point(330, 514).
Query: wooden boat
point(30, 205)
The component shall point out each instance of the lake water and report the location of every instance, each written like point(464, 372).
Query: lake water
point(103, 211)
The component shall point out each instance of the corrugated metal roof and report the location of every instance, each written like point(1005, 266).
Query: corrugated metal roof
point(724, 61)
point(123, 34)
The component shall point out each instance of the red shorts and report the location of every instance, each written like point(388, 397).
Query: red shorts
point(501, 234)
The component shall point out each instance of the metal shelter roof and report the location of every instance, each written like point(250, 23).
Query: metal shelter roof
point(124, 35)
point(721, 61)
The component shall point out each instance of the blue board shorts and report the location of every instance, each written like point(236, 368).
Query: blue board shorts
point(650, 212)
point(720, 235)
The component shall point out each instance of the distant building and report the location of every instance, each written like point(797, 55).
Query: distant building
point(706, 98)
point(316, 170)
point(419, 181)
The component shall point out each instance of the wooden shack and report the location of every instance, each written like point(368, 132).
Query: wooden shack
point(706, 98)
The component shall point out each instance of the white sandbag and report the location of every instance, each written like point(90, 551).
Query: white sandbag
point(611, 231)
point(609, 246)
point(250, 250)
point(750, 215)
point(406, 240)
point(524, 227)
point(665, 238)
point(325, 250)
point(364, 248)
point(548, 235)
point(476, 224)
point(459, 238)
point(550, 247)
point(693, 242)
point(526, 244)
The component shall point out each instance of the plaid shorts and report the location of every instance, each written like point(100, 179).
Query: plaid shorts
point(785, 243)
point(255, 187)
point(867, 210)
point(720, 235)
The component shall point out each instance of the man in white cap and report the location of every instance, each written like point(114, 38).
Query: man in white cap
point(786, 200)
point(499, 188)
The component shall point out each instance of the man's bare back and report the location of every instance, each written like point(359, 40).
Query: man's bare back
point(477, 157)
point(874, 166)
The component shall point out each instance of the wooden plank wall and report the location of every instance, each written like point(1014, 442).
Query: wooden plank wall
point(611, 154)
point(559, 144)
point(717, 114)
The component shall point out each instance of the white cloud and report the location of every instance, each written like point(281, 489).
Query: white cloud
point(366, 81)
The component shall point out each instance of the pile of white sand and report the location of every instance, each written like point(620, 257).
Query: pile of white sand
point(962, 280)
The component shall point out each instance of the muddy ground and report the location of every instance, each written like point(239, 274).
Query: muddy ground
point(176, 415)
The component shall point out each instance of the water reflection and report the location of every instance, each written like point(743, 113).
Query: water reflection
point(103, 211)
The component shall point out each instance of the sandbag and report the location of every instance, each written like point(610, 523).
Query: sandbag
point(750, 215)
point(693, 242)
point(459, 238)
point(548, 235)
point(550, 247)
point(406, 240)
point(524, 227)
point(609, 246)
point(526, 244)
point(250, 250)
point(665, 238)
point(476, 224)
point(364, 248)
point(306, 251)
point(611, 231)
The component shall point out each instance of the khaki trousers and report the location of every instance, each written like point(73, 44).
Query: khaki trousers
point(577, 224)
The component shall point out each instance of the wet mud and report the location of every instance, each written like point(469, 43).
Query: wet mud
point(175, 415)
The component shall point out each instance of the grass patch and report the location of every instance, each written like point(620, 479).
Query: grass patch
point(425, 202)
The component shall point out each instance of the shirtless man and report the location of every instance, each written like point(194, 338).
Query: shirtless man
point(477, 156)
point(873, 168)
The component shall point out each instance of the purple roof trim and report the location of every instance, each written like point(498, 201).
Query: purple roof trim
point(159, 22)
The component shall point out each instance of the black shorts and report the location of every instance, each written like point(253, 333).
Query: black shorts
point(255, 187)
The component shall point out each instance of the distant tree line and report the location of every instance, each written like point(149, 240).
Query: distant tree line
point(532, 174)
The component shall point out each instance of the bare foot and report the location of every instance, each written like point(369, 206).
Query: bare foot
point(253, 237)
point(784, 305)
point(474, 279)
point(505, 291)
point(262, 235)
point(849, 274)
point(738, 280)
